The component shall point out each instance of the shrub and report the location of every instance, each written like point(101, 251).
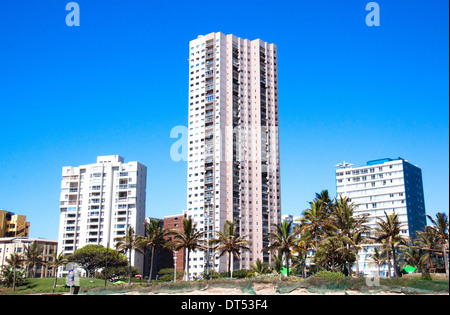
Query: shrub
point(329, 274)
point(426, 276)
point(242, 273)
point(7, 276)
point(167, 274)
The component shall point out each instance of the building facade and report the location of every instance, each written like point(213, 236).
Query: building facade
point(233, 148)
point(11, 245)
point(175, 223)
point(99, 202)
point(386, 185)
point(13, 225)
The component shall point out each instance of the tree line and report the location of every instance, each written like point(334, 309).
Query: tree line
point(329, 234)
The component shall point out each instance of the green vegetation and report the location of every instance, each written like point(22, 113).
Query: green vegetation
point(329, 274)
point(45, 286)
point(329, 235)
point(316, 285)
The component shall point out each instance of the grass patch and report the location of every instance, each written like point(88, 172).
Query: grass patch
point(45, 285)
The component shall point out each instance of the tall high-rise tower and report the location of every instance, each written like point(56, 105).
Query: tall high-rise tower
point(233, 148)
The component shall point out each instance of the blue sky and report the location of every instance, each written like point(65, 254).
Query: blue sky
point(118, 84)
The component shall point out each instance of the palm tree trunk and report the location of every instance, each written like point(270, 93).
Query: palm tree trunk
point(229, 264)
point(151, 265)
point(430, 262)
point(357, 263)
point(445, 259)
point(54, 282)
point(394, 261)
point(287, 265)
point(186, 276)
point(304, 267)
point(129, 267)
point(388, 262)
point(14, 278)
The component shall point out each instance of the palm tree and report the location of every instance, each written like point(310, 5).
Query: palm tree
point(259, 268)
point(230, 242)
point(277, 262)
point(57, 261)
point(413, 255)
point(155, 237)
point(378, 257)
point(128, 243)
point(15, 261)
point(189, 239)
point(283, 241)
point(440, 226)
point(326, 201)
point(388, 230)
point(350, 228)
point(33, 256)
point(427, 242)
point(355, 242)
point(303, 245)
point(313, 220)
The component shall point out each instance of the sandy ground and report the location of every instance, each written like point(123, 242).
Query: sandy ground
point(267, 289)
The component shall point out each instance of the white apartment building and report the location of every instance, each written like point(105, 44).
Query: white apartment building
point(233, 150)
point(386, 185)
point(99, 202)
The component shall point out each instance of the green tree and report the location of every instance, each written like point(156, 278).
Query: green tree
point(116, 265)
point(12, 277)
point(428, 243)
point(350, 228)
point(189, 239)
point(167, 274)
point(230, 242)
point(89, 257)
point(32, 257)
point(378, 258)
point(155, 236)
point(331, 255)
point(440, 230)
point(388, 230)
point(57, 261)
point(304, 243)
point(413, 255)
point(259, 268)
point(277, 262)
point(15, 261)
point(283, 240)
point(327, 203)
point(128, 243)
point(313, 220)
